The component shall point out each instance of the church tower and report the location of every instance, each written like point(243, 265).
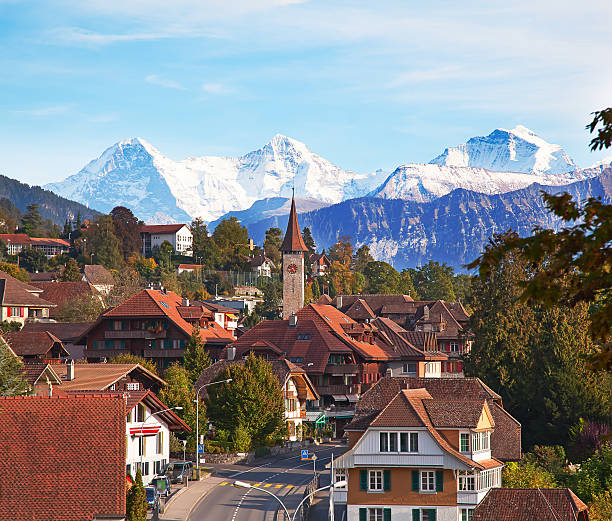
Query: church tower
point(293, 249)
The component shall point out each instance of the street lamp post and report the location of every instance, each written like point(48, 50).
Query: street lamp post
point(143, 424)
point(243, 484)
point(197, 402)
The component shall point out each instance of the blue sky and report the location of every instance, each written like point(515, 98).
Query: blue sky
point(366, 85)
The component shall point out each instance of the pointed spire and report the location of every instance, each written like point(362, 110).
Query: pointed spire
point(293, 240)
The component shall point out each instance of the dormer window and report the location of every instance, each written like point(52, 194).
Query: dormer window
point(481, 441)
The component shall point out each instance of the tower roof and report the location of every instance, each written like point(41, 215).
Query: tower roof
point(293, 237)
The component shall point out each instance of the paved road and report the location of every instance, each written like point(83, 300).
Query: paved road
point(284, 476)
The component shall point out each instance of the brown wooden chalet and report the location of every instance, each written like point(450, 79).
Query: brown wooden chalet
point(443, 321)
point(154, 324)
point(39, 346)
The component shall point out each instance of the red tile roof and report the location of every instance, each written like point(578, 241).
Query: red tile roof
point(34, 370)
point(66, 457)
point(65, 331)
point(161, 228)
point(527, 504)
point(293, 240)
point(22, 238)
point(149, 398)
point(26, 343)
point(61, 292)
point(189, 266)
point(16, 293)
point(97, 274)
point(100, 376)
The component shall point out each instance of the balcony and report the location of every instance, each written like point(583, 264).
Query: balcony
point(338, 389)
point(341, 369)
point(135, 333)
point(163, 353)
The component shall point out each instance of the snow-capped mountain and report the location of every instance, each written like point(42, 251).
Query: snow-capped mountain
point(135, 174)
point(516, 150)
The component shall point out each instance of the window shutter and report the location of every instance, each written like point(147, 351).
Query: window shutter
point(432, 515)
point(8, 311)
point(22, 310)
point(387, 514)
point(415, 480)
point(363, 514)
point(439, 480)
point(416, 514)
point(122, 325)
point(363, 479)
point(386, 482)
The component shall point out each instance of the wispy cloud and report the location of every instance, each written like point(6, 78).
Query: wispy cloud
point(78, 35)
point(154, 79)
point(42, 112)
point(216, 88)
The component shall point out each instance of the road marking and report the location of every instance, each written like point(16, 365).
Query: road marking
point(279, 486)
point(222, 484)
point(267, 485)
point(251, 469)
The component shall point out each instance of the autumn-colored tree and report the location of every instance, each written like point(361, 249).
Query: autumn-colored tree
point(196, 356)
point(527, 475)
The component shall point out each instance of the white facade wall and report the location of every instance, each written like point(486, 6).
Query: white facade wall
point(404, 513)
point(8, 313)
point(151, 454)
point(182, 240)
point(295, 416)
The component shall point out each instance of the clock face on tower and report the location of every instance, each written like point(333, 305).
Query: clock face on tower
point(292, 268)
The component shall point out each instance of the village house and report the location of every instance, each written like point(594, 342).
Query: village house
point(320, 264)
point(261, 265)
point(20, 301)
point(99, 277)
point(65, 457)
point(293, 380)
point(543, 504)
point(178, 235)
point(37, 346)
point(67, 332)
point(17, 242)
point(444, 321)
point(422, 457)
point(148, 424)
point(63, 293)
point(154, 324)
point(41, 378)
point(188, 268)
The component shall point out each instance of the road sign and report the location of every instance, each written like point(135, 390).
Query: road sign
point(304, 454)
point(314, 457)
point(201, 448)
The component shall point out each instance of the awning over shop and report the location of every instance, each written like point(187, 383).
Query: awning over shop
point(339, 397)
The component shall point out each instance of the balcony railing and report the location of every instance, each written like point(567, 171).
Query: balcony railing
point(135, 333)
point(338, 389)
point(341, 369)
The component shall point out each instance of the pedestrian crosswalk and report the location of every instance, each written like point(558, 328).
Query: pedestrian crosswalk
point(261, 485)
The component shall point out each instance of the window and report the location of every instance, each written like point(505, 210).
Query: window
point(467, 481)
point(454, 347)
point(480, 441)
point(410, 368)
point(15, 312)
point(467, 514)
point(108, 344)
point(388, 442)
point(340, 476)
point(142, 446)
point(140, 413)
point(145, 472)
point(375, 514)
point(113, 387)
point(296, 359)
point(409, 442)
point(464, 442)
point(375, 480)
point(304, 336)
point(428, 481)
point(132, 386)
point(128, 470)
point(159, 441)
point(128, 418)
point(424, 514)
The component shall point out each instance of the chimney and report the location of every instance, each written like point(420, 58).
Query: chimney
point(389, 372)
point(339, 301)
point(293, 320)
point(231, 353)
point(185, 302)
point(426, 312)
point(70, 371)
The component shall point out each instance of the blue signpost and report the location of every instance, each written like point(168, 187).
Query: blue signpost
point(201, 448)
point(305, 454)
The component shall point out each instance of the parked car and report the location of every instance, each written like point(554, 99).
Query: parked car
point(177, 470)
point(152, 497)
point(162, 484)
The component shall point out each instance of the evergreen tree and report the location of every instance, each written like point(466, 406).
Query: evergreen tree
point(434, 281)
point(205, 251)
point(196, 357)
point(103, 243)
point(362, 258)
point(67, 232)
point(32, 222)
point(253, 400)
point(272, 244)
point(71, 271)
point(316, 291)
point(406, 287)
point(33, 260)
point(12, 379)
point(127, 230)
point(136, 500)
point(308, 240)
point(382, 278)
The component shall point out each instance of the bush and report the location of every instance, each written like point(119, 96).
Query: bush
point(527, 475)
point(594, 476)
point(241, 441)
point(601, 507)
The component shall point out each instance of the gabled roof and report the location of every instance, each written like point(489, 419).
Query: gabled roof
point(399, 338)
point(293, 240)
point(13, 292)
point(22, 238)
point(189, 266)
point(527, 504)
point(97, 274)
point(67, 457)
point(66, 331)
point(26, 343)
point(375, 301)
point(259, 260)
point(360, 310)
point(99, 377)
point(319, 258)
point(161, 228)
point(149, 398)
point(35, 370)
point(61, 292)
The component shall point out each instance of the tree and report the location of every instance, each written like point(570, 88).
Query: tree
point(362, 258)
point(103, 243)
point(434, 281)
point(253, 400)
point(229, 233)
point(594, 476)
point(31, 221)
point(145, 267)
point(127, 230)
point(12, 378)
point(204, 247)
point(534, 356)
point(9, 326)
point(33, 260)
point(603, 139)
point(81, 309)
point(342, 251)
point(163, 255)
point(71, 271)
point(15, 271)
point(273, 294)
point(128, 358)
point(316, 291)
point(127, 284)
point(406, 287)
point(527, 475)
point(381, 277)
point(601, 507)
point(272, 244)
point(308, 240)
point(196, 357)
point(180, 393)
point(136, 500)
